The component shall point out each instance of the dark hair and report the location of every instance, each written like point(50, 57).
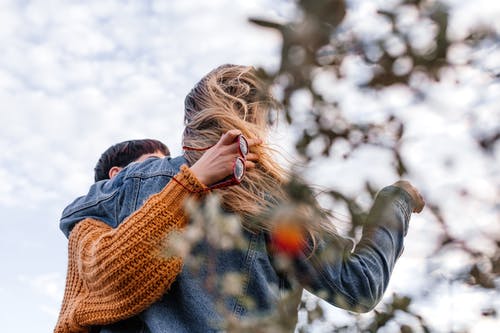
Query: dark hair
point(124, 153)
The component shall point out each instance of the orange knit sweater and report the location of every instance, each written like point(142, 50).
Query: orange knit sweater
point(115, 273)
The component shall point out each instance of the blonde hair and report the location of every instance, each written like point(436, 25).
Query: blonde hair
point(233, 97)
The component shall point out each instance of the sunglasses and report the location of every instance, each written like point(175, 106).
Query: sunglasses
point(238, 165)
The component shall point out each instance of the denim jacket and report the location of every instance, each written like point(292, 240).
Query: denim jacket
point(357, 280)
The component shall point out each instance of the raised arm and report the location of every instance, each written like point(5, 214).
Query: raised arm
point(356, 280)
point(115, 273)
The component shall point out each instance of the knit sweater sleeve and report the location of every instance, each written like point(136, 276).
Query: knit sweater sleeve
point(115, 273)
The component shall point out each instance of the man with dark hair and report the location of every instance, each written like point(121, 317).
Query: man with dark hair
point(122, 154)
point(118, 156)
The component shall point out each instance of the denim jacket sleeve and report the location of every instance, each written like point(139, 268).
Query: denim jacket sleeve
point(356, 280)
point(111, 201)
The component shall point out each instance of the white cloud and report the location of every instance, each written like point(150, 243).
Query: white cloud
point(47, 284)
point(78, 77)
point(105, 72)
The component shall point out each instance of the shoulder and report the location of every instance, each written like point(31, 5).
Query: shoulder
point(153, 167)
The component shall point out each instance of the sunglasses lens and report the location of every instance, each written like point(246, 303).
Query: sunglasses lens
point(243, 145)
point(239, 169)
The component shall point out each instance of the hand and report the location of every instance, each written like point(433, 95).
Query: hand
point(217, 162)
point(416, 198)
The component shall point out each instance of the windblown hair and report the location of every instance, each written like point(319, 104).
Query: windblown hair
point(233, 97)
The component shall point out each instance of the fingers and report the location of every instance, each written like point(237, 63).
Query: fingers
point(249, 164)
point(254, 142)
point(218, 161)
point(229, 137)
point(420, 204)
point(252, 157)
point(417, 199)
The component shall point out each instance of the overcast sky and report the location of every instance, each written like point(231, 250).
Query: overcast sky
point(78, 76)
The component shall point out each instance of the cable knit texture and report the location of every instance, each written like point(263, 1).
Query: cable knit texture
point(115, 273)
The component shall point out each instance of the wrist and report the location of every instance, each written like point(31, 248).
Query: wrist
point(199, 174)
point(187, 179)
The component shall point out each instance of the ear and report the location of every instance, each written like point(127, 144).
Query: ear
point(114, 171)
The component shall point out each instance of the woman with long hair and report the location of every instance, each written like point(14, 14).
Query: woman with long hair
point(119, 278)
